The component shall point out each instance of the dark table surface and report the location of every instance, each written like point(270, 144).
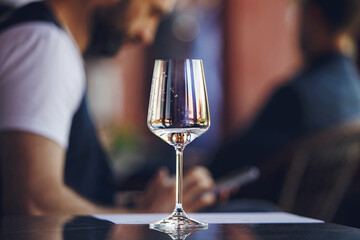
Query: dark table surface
point(66, 228)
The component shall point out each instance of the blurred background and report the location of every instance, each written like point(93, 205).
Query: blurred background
point(248, 48)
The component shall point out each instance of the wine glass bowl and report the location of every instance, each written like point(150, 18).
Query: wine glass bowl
point(178, 113)
point(178, 100)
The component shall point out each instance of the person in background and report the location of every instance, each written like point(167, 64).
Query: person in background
point(324, 94)
point(51, 159)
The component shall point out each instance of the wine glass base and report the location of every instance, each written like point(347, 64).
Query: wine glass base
point(178, 220)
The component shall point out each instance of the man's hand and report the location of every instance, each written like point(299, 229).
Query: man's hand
point(160, 193)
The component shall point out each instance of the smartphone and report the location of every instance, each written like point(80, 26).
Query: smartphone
point(236, 180)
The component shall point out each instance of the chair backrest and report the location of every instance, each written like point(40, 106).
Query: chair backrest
point(321, 169)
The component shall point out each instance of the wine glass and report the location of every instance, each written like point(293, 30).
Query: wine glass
point(178, 113)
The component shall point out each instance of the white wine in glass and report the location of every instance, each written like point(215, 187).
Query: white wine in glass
point(178, 113)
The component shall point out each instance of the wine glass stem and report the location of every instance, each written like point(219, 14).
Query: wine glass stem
point(179, 176)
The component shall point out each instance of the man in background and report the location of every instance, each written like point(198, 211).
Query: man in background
point(51, 159)
point(324, 94)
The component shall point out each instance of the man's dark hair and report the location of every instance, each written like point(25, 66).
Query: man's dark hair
point(341, 15)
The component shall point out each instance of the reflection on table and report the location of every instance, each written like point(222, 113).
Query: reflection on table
point(87, 227)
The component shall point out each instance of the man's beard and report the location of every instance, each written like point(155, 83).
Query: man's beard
point(104, 41)
point(105, 37)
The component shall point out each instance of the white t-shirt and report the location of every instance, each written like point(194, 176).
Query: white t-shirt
point(42, 80)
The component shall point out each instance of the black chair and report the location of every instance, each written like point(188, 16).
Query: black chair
point(321, 169)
